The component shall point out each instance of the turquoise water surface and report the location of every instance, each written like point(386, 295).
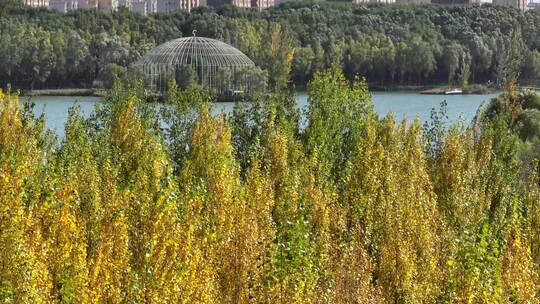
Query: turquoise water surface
point(403, 104)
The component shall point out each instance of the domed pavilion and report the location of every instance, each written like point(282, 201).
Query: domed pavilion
point(208, 62)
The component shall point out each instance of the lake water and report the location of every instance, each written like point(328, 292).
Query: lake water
point(403, 104)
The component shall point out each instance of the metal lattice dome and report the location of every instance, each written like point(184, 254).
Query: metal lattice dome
point(209, 62)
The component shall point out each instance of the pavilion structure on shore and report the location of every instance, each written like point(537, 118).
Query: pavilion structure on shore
point(210, 63)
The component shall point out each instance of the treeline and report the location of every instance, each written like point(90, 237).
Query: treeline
point(147, 204)
point(389, 44)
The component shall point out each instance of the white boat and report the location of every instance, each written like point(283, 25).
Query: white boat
point(453, 92)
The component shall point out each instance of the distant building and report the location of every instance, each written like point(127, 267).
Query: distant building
point(172, 5)
point(257, 4)
point(167, 5)
point(144, 7)
point(533, 6)
point(216, 3)
point(413, 1)
point(87, 4)
point(151, 6)
point(445, 2)
point(262, 4)
point(139, 7)
point(241, 3)
point(63, 6)
point(374, 1)
point(108, 5)
point(37, 3)
point(104, 5)
point(519, 4)
point(456, 2)
point(125, 3)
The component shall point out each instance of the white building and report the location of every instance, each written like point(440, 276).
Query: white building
point(124, 3)
point(262, 4)
point(63, 6)
point(533, 6)
point(172, 5)
point(36, 3)
point(87, 4)
point(413, 1)
point(146, 7)
point(373, 1)
point(241, 3)
point(143, 7)
point(108, 5)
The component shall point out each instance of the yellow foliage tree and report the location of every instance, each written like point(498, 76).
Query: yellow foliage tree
point(24, 277)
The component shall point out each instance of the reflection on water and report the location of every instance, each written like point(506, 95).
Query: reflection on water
point(402, 104)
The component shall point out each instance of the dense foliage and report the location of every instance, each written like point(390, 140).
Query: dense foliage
point(390, 45)
point(263, 206)
point(522, 115)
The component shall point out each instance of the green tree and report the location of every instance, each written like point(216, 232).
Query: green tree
point(531, 65)
point(186, 76)
point(334, 125)
point(278, 56)
point(302, 64)
point(452, 55)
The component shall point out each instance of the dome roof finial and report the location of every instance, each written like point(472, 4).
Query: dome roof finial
point(194, 32)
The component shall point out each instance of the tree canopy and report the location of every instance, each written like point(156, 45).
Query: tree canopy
point(143, 203)
point(387, 44)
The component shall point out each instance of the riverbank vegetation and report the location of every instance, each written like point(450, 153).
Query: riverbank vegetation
point(390, 45)
point(265, 205)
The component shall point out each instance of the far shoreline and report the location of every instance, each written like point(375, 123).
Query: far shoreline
point(476, 89)
point(67, 92)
